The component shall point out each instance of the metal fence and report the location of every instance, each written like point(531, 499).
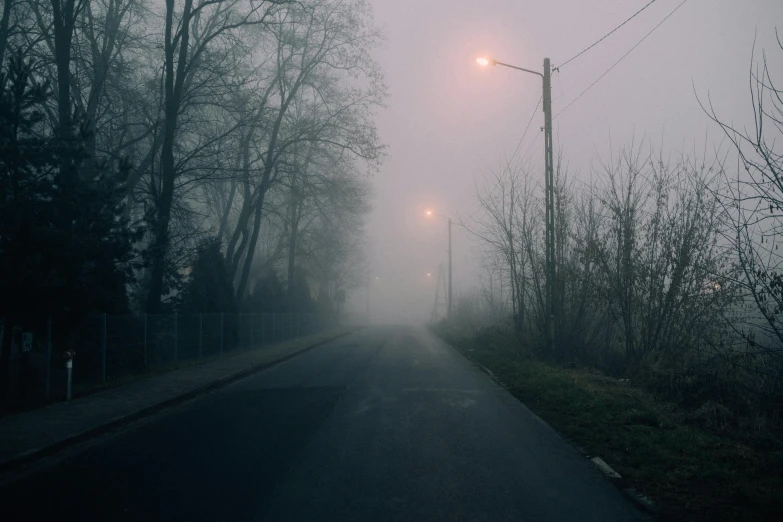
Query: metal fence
point(115, 347)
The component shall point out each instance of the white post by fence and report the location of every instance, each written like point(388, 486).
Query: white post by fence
point(69, 369)
point(103, 349)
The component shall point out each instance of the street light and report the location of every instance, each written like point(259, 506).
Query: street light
point(431, 213)
point(548, 189)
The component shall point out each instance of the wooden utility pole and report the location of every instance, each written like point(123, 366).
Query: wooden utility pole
point(550, 208)
point(549, 189)
point(441, 284)
point(450, 310)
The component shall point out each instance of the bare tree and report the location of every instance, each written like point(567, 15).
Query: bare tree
point(319, 47)
point(506, 226)
point(752, 200)
point(208, 20)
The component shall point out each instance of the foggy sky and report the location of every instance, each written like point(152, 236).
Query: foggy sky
point(448, 119)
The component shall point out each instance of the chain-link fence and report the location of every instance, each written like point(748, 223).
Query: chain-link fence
point(116, 347)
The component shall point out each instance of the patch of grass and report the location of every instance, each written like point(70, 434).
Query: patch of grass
point(691, 473)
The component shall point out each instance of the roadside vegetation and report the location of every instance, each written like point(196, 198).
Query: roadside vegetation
point(180, 156)
point(693, 463)
point(667, 305)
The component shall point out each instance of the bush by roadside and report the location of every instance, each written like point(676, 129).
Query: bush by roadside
point(692, 471)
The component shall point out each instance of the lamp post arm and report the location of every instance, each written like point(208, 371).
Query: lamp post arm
point(519, 69)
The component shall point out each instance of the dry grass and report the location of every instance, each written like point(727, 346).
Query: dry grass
point(692, 473)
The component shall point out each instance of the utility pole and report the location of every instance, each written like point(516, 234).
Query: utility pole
point(549, 189)
point(367, 310)
point(441, 283)
point(550, 208)
point(449, 309)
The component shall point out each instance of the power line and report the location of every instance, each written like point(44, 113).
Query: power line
point(519, 144)
point(607, 35)
point(535, 140)
point(532, 116)
point(621, 58)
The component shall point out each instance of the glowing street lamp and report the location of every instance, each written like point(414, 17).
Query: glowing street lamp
point(548, 190)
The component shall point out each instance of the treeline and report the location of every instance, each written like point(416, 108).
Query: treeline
point(202, 155)
point(668, 268)
point(189, 153)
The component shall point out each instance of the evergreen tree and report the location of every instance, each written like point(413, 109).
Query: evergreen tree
point(268, 294)
point(64, 247)
point(299, 298)
point(209, 289)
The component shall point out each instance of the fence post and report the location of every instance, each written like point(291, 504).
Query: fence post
point(298, 325)
point(221, 332)
point(144, 361)
point(176, 338)
point(103, 349)
point(274, 327)
point(200, 335)
point(48, 356)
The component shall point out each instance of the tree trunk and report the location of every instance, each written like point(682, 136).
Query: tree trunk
point(173, 91)
point(161, 226)
point(241, 287)
point(4, 19)
point(293, 240)
point(63, 13)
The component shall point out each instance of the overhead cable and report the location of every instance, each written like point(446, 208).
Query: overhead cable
point(607, 35)
point(621, 58)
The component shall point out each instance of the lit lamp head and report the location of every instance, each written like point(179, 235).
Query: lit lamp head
point(486, 61)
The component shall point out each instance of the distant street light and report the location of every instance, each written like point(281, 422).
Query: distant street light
point(431, 213)
point(548, 189)
point(486, 61)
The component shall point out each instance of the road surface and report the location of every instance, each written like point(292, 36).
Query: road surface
point(388, 423)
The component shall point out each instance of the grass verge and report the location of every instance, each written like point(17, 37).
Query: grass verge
point(689, 472)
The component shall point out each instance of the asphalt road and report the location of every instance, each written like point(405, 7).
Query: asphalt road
point(388, 423)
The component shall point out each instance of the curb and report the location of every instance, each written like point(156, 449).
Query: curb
point(638, 499)
point(632, 494)
point(37, 453)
